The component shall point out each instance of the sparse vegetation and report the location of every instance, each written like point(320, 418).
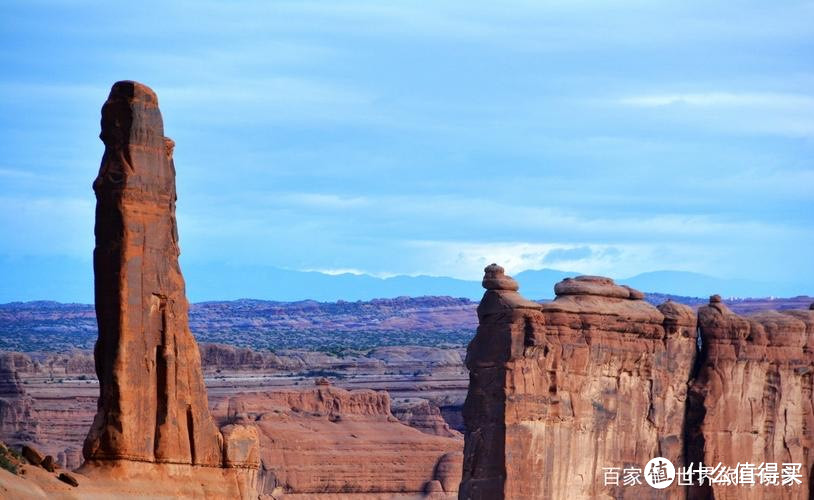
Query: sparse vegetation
point(8, 459)
point(323, 373)
point(340, 329)
point(337, 328)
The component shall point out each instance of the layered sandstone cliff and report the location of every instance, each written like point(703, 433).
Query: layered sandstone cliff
point(598, 379)
point(331, 442)
point(560, 390)
point(424, 416)
point(17, 423)
point(751, 400)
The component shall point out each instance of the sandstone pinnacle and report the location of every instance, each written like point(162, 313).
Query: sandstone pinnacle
point(152, 407)
point(494, 278)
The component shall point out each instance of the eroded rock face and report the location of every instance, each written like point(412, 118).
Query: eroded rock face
point(423, 415)
point(598, 378)
point(152, 406)
point(17, 423)
point(751, 400)
point(560, 390)
point(338, 443)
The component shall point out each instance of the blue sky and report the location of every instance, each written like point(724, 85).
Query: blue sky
point(429, 137)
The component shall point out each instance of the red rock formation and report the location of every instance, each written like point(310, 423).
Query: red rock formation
point(40, 420)
point(221, 357)
point(152, 406)
point(423, 415)
point(339, 443)
point(752, 398)
point(596, 378)
point(17, 424)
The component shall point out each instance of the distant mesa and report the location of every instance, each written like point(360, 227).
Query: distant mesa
point(325, 440)
point(16, 420)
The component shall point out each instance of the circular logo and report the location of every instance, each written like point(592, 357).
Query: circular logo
point(659, 473)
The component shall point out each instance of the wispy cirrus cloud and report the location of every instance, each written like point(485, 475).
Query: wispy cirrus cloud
point(772, 113)
point(466, 259)
point(798, 102)
point(331, 271)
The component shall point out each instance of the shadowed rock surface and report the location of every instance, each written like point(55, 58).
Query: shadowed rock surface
point(559, 390)
point(424, 416)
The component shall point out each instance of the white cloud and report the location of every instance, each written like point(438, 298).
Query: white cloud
point(466, 259)
point(349, 270)
point(794, 102)
point(772, 113)
point(336, 271)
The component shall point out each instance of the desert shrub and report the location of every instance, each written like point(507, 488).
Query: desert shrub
point(323, 373)
point(6, 460)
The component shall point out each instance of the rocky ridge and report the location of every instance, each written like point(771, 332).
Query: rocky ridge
point(16, 406)
point(330, 441)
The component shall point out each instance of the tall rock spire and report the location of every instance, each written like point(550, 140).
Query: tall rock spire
point(152, 405)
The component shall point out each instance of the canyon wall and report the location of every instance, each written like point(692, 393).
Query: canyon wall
point(17, 422)
point(566, 393)
point(560, 390)
point(751, 400)
point(340, 444)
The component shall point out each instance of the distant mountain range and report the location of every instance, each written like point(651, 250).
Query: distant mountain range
point(65, 280)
